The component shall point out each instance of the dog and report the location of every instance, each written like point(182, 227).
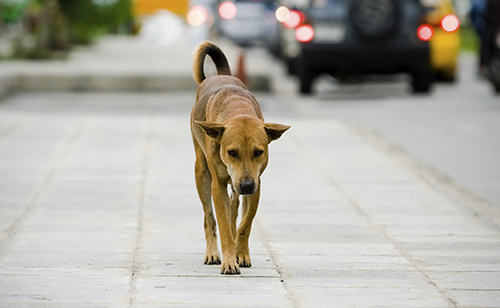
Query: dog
point(231, 141)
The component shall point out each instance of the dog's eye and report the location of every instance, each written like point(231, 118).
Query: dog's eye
point(233, 153)
point(258, 153)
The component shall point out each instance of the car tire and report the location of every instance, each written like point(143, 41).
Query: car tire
point(291, 67)
point(493, 72)
point(375, 19)
point(446, 77)
point(306, 84)
point(421, 82)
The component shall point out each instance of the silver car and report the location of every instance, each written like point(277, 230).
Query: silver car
point(243, 21)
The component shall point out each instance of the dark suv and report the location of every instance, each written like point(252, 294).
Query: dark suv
point(358, 37)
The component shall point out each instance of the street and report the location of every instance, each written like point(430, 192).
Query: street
point(374, 198)
point(455, 130)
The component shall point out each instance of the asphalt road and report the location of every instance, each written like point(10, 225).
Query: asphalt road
point(454, 130)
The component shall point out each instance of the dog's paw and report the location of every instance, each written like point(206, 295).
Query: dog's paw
point(244, 260)
point(229, 268)
point(212, 259)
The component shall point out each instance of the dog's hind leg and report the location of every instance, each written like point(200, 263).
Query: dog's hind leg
point(203, 185)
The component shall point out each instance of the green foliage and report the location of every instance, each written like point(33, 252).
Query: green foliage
point(44, 31)
point(89, 18)
point(12, 11)
point(469, 39)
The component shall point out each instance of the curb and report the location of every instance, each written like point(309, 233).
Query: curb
point(110, 83)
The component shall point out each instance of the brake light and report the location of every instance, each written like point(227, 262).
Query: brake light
point(450, 23)
point(425, 32)
point(197, 15)
point(295, 19)
point(304, 33)
point(227, 10)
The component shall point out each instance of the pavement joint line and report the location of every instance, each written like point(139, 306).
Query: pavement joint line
point(283, 276)
point(379, 228)
point(31, 206)
point(135, 266)
point(434, 179)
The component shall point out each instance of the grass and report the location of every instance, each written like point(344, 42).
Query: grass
point(469, 39)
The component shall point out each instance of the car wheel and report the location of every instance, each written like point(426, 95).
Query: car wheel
point(306, 84)
point(375, 19)
point(306, 79)
point(494, 73)
point(421, 82)
point(447, 77)
point(291, 67)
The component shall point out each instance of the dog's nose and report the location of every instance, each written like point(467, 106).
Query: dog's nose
point(247, 187)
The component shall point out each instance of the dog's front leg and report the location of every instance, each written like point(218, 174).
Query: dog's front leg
point(221, 204)
point(250, 205)
point(234, 204)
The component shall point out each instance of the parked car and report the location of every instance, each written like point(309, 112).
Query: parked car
point(493, 68)
point(276, 29)
point(445, 42)
point(358, 37)
point(201, 13)
point(242, 21)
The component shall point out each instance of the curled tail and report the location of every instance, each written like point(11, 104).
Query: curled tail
point(204, 49)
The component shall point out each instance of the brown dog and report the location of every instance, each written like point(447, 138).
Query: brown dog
point(231, 144)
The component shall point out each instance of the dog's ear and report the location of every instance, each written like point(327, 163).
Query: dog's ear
point(274, 131)
point(213, 130)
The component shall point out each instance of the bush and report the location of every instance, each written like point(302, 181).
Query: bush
point(89, 18)
point(44, 31)
point(12, 11)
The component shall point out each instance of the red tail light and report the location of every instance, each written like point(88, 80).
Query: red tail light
point(425, 32)
point(227, 10)
point(304, 33)
point(450, 23)
point(294, 19)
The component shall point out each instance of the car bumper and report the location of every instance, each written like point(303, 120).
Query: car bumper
point(331, 58)
point(445, 48)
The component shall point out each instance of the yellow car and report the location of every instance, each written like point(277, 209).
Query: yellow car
point(445, 41)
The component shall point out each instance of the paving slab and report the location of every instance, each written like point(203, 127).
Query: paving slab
point(99, 209)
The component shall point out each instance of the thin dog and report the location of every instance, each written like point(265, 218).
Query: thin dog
point(231, 144)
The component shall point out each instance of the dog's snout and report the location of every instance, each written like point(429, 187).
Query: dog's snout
point(247, 187)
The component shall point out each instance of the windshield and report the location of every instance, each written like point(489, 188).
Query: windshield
point(323, 3)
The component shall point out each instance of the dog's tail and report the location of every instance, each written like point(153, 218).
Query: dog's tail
point(204, 49)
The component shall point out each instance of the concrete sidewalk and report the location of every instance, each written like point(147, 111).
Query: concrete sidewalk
point(122, 63)
point(99, 209)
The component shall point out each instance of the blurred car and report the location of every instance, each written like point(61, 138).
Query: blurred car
point(242, 21)
point(201, 13)
point(445, 42)
point(357, 37)
point(280, 10)
point(141, 8)
point(493, 68)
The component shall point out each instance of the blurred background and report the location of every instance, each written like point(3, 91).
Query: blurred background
point(431, 33)
point(423, 73)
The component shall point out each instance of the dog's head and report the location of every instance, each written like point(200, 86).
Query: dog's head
point(244, 144)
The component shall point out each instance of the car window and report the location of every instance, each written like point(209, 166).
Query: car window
point(266, 2)
point(328, 9)
point(324, 3)
point(430, 2)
